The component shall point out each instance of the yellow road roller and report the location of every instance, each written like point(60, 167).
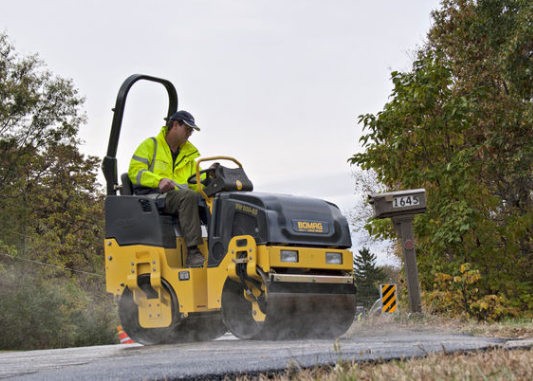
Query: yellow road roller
point(278, 266)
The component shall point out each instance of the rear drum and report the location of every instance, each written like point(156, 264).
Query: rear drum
point(196, 327)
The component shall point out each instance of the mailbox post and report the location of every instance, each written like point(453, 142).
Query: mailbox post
point(401, 207)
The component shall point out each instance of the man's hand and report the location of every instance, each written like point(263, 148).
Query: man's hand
point(166, 185)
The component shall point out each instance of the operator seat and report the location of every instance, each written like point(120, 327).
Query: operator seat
point(127, 186)
point(127, 190)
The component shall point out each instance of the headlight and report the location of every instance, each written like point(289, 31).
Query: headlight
point(334, 258)
point(289, 256)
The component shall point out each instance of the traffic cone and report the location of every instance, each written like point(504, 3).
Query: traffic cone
point(123, 336)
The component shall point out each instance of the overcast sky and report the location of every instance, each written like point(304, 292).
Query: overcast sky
point(276, 84)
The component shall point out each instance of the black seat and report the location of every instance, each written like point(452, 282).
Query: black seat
point(127, 186)
point(127, 190)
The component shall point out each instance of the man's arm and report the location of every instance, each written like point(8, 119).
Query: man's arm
point(141, 168)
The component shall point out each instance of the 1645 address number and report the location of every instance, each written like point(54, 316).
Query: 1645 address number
point(405, 201)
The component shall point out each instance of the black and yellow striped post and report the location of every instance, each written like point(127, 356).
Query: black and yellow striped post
point(388, 298)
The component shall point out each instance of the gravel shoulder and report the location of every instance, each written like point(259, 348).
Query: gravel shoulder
point(382, 324)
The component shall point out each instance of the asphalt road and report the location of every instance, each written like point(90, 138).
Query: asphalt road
point(226, 356)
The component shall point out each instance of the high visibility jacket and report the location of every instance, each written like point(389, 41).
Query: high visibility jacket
point(152, 161)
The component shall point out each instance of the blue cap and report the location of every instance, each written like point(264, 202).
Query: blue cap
point(185, 117)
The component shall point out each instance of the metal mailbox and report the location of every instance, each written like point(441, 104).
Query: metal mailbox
point(399, 203)
point(401, 207)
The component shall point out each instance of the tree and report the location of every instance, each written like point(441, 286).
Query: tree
point(366, 183)
point(367, 277)
point(51, 252)
point(460, 125)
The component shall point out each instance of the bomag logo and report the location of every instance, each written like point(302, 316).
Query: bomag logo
point(302, 225)
point(310, 226)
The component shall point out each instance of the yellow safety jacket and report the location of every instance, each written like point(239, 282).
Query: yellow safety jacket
point(152, 161)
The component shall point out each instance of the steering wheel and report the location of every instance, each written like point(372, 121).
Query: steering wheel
point(192, 179)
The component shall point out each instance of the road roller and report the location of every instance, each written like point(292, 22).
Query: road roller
point(278, 266)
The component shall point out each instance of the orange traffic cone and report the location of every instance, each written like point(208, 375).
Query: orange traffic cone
point(123, 336)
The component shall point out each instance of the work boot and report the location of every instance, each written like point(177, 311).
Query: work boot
point(195, 258)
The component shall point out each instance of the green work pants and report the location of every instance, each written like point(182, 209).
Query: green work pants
point(183, 203)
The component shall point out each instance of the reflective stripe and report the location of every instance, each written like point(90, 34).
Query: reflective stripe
point(141, 159)
point(153, 159)
point(145, 161)
point(139, 174)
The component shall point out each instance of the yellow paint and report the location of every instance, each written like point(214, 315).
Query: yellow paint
point(201, 288)
point(125, 264)
point(309, 258)
point(154, 312)
point(199, 189)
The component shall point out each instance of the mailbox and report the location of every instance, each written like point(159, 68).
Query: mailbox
point(401, 207)
point(399, 203)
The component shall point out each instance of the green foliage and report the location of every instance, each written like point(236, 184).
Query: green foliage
point(51, 211)
point(460, 125)
point(367, 277)
point(38, 313)
point(458, 295)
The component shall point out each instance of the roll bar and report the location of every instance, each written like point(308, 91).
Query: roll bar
point(109, 164)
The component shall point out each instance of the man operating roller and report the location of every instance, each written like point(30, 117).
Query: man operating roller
point(160, 168)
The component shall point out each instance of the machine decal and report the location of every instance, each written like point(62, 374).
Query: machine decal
point(125, 223)
point(310, 226)
point(184, 275)
point(246, 209)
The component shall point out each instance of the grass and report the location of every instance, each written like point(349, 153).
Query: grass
point(498, 364)
point(494, 364)
point(517, 328)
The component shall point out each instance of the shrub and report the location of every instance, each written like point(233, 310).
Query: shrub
point(459, 295)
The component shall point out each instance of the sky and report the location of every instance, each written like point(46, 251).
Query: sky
point(278, 85)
